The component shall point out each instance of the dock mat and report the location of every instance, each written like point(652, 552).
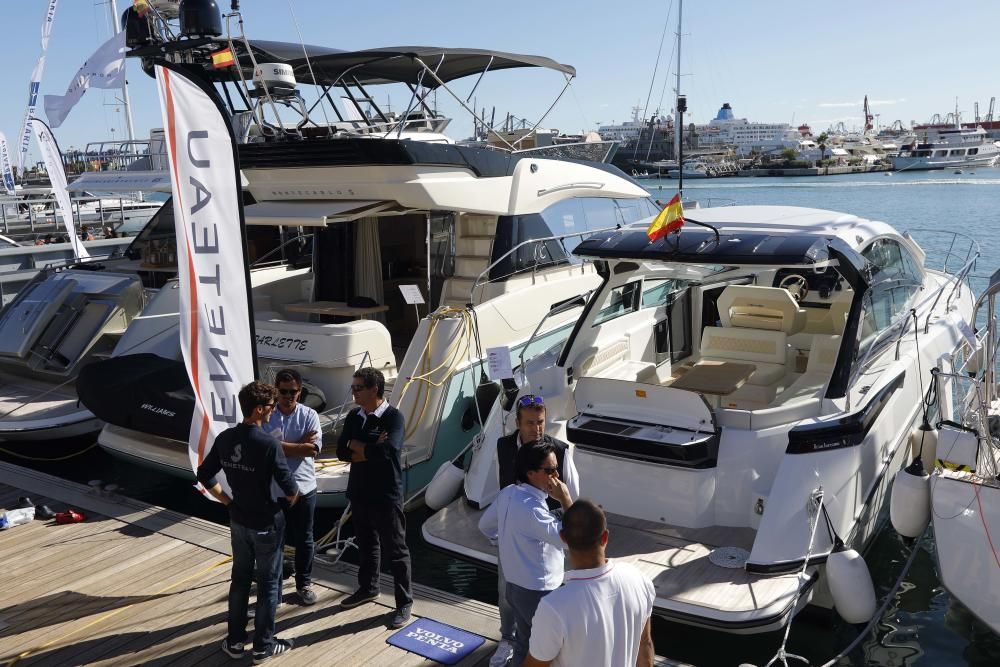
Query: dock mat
point(436, 641)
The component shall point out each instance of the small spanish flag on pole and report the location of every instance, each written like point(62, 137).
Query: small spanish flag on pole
point(141, 7)
point(670, 219)
point(222, 59)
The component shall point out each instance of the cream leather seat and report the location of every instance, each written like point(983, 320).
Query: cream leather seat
point(756, 323)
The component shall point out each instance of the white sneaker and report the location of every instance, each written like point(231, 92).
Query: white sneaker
point(503, 654)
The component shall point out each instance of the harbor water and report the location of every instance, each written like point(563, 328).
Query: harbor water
point(923, 624)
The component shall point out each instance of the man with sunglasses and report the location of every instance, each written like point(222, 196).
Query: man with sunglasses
point(297, 427)
point(252, 461)
point(372, 440)
point(530, 427)
point(527, 532)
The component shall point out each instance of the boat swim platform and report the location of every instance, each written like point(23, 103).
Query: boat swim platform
point(137, 584)
point(675, 558)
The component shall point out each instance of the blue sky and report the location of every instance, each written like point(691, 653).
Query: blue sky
point(773, 60)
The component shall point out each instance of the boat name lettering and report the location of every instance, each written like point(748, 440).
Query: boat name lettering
point(434, 639)
point(158, 411)
point(283, 342)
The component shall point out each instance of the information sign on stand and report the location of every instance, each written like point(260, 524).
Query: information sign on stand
point(498, 359)
point(411, 295)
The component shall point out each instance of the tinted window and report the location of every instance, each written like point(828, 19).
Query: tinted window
point(620, 300)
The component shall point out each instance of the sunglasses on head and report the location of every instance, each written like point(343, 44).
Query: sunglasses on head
point(530, 400)
point(288, 392)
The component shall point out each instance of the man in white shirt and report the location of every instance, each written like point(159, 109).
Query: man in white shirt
point(530, 427)
point(297, 427)
point(527, 531)
point(601, 615)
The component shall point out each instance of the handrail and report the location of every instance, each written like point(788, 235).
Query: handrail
point(973, 243)
point(546, 239)
point(959, 277)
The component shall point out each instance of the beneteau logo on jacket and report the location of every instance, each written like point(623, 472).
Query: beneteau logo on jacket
point(237, 454)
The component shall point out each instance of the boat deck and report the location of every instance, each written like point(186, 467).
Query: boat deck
point(26, 399)
point(139, 584)
point(675, 558)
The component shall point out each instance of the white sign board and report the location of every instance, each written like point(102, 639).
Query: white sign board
point(411, 294)
point(498, 359)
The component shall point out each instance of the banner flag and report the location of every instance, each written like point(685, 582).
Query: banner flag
point(104, 69)
point(670, 219)
point(34, 85)
point(57, 177)
point(215, 312)
point(5, 168)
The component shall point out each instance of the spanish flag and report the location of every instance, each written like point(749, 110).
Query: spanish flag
point(670, 219)
point(141, 7)
point(222, 59)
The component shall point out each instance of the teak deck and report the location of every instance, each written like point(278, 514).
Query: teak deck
point(138, 584)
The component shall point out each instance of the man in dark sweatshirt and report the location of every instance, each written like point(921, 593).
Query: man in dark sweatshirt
point(251, 460)
point(372, 441)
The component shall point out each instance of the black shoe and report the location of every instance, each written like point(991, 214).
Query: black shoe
point(44, 513)
point(24, 502)
point(357, 598)
point(277, 648)
point(234, 651)
point(401, 617)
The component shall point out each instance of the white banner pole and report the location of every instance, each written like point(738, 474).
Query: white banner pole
point(57, 177)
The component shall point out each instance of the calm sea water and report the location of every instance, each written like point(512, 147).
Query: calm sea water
point(924, 625)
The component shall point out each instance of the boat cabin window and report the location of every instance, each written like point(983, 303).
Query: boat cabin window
point(896, 278)
point(572, 219)
point(620, 300)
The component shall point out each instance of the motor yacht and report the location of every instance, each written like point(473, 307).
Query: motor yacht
point(948, 148)
point(477, 237)
point(738, 397)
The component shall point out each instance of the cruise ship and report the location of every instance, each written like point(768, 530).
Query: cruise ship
point(727, 130)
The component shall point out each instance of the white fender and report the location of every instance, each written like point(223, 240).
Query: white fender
point(924, 444)
point(851, 586)
point(482, 482)
point(444, 486)
point(910, 503)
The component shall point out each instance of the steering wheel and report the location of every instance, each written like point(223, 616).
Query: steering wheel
point(796, 285)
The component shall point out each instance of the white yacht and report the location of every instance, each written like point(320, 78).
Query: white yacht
point(948, 148)
point(963, 458)
point(480, 234)
point(738, 397)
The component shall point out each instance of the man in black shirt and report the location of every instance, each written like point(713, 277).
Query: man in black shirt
point(251, 459)
point(372, 441)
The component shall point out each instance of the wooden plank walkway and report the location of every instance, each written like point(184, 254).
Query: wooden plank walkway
point(140, 585)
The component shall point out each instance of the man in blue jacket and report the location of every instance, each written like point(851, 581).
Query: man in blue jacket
point(372, 440)
point(252, 460)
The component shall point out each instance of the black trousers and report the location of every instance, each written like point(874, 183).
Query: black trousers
point(299, 534)
point(382, 529)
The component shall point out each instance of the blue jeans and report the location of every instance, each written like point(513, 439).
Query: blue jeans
point(299, 534)
point(506, 613)
point(256, 556)
point(523, 602)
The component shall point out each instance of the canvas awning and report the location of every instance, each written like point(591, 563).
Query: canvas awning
point(316, 213)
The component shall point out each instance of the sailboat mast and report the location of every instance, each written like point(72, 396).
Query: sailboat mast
point(129, 128)
point(680, 111)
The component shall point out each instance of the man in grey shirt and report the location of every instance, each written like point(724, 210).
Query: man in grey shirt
point(297, 427)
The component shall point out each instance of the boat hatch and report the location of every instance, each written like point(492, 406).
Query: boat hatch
point(644, 422)
point(23, 321)
point(316, 213)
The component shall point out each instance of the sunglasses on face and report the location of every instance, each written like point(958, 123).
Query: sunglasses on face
point(358, 387)
point(530, 400)
point(267, 406)
point(288, 392)
point(550, 471)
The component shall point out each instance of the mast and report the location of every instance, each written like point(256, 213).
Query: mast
point(130, 130)
point(681, 106)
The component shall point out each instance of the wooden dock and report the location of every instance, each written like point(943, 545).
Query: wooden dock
point(137, 584)
point(140, 585)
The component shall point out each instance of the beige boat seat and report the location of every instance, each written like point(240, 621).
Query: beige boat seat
point(764, 308)
point(756, 323)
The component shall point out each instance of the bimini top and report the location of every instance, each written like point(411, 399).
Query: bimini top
point(393, 64)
